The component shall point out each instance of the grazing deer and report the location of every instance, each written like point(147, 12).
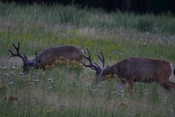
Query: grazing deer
point(48, 57)
point(136, 69)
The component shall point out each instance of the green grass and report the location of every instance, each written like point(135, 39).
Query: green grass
point(24, 16)
point(70, 90)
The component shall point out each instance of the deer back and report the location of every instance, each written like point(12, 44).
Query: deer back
point(50, 56)
point(140, 69)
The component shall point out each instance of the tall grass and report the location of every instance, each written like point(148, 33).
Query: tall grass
point(92, 18)
point(57, 92)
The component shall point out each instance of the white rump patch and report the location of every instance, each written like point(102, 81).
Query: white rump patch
point(172, 76)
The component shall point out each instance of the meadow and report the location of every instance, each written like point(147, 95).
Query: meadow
point(69, 90)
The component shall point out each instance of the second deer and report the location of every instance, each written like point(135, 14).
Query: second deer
point(136, 69)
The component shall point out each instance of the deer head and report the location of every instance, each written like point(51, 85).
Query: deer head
point(16, 53)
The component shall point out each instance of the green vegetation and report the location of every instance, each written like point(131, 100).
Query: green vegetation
point(68, 90)
point(38, 15)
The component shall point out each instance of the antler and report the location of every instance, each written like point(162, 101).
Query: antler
point(17, 52)
point(89, 58)
point(92, 65)
point(101, 58)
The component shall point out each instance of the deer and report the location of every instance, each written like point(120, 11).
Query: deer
point(135, 69)
point(48, 57)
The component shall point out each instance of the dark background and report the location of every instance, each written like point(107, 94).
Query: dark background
point(137, 6)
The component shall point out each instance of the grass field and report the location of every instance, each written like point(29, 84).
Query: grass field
point(69, 91)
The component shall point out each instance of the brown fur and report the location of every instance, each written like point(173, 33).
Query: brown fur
point(138, 69)
point(53, 56)
point(11, 98)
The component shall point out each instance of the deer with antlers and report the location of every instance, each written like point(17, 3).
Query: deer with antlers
point(135, 69)
point(48, 57)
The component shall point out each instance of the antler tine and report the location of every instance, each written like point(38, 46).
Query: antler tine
point(89, 58)
point(17, 53)
point(101, 58)
point(87, 52)
point(11, 52)
point(17, 48)
point(89, 55)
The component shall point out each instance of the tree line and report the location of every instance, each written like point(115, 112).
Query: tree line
point(138, 6)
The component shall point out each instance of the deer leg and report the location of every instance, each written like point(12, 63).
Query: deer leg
point(123, 81)
point(170, 84)
point(43, 67)
point(166, 86)
point(130, 82)
point(130, 87)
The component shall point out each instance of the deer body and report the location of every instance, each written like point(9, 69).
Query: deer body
point(137, 69)
point(49, 57)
